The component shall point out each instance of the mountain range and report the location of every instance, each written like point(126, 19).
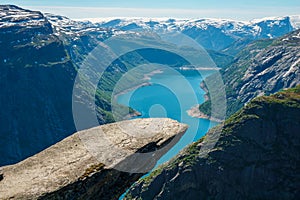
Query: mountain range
point(41, 54)
point(213, 34)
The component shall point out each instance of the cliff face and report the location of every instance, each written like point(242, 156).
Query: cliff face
point(36, 81)
point(256, 157)
point(89, 164)
point(36, 85)
point(263, 67)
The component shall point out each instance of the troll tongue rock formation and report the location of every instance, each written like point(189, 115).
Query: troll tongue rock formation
point(85, 165)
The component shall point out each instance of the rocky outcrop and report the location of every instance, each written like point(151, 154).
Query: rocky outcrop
point(275, 68)
point(91, 164)
point(262, 68)
point(254, 156)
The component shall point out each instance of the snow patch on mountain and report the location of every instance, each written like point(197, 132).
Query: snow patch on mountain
point(211, 33)
point(13, 16)
point(67, 26)
point(295, 21)
point(265, 19)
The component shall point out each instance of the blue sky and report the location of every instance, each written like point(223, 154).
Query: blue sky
point(233, 9)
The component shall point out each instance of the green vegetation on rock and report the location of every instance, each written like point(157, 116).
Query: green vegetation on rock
point(254, 157)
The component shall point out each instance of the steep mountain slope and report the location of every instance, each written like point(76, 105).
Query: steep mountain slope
point(71, 170)
point(263, 67)
point(37, 78)
point(36, 85)
point(80, 38)
point(213, 34)
point(256, 156)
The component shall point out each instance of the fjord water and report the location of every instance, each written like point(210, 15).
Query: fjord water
point(170, 95)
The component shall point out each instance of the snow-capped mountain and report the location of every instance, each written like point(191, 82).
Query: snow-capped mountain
point(67, 26)
point(295, 20)
point(11, 16)
point(214, 34)
point(253, 27)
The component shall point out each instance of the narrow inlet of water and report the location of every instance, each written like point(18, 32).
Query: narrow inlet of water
point(171, 95)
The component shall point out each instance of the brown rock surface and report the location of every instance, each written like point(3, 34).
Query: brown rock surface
point(84, 165)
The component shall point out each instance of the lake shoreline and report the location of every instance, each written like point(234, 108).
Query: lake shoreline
point(147, 77)
point(196, 113)
point(188, 68)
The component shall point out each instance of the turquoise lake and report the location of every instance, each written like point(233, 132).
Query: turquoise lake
point(171, 94)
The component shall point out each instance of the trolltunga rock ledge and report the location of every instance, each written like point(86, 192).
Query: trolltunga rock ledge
point(99, 163)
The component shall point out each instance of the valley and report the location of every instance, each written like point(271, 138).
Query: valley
point(170, 95)
point(229, 88)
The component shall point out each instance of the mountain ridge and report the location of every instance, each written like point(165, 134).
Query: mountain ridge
point(255, 157)
point(202, 30)
point(263, 67)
